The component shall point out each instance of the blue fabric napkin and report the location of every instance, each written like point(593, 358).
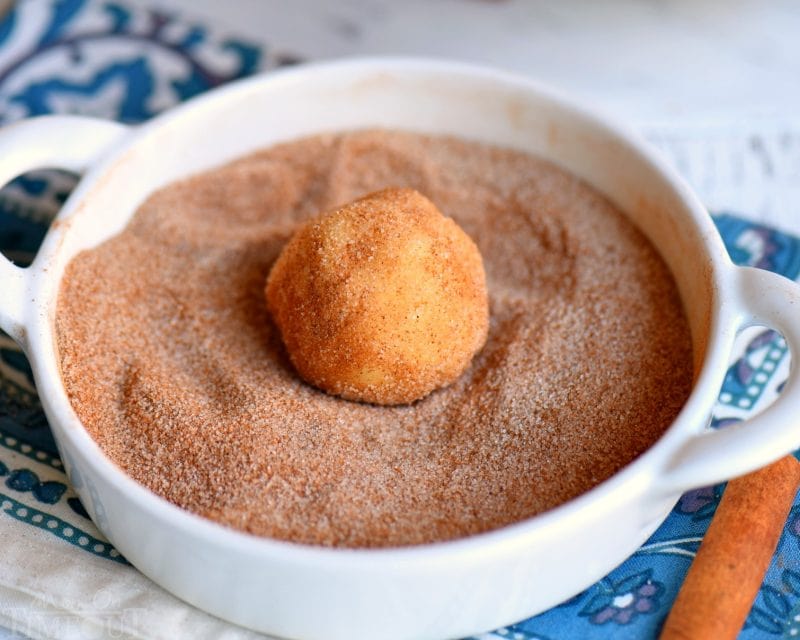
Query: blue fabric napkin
point(110, 60)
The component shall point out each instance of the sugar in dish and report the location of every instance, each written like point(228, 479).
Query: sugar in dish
point(171, 360)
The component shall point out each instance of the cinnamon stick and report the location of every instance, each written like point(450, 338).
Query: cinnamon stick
point(735, 554)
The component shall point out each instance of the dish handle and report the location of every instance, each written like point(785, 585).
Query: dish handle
point(713, 456)
point(46, 142)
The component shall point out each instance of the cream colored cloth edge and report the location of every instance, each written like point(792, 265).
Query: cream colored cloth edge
point(115, 601)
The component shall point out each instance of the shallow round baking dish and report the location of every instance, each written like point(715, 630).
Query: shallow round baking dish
point(439, 590)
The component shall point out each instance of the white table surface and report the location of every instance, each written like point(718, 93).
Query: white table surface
point(714, 83)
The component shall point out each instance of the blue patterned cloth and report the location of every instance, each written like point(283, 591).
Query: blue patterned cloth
point(106, 59)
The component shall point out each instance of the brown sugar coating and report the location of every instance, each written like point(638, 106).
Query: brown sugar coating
point(171, 361)
point(382, 300)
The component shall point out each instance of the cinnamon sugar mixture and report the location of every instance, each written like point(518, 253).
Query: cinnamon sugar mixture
point(171, 361)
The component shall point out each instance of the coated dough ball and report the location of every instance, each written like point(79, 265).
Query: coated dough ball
point(382, 301)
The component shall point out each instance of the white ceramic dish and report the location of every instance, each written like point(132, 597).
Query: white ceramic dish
point(440, 590)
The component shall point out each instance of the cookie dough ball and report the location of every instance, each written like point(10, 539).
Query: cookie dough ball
point(382, 301)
